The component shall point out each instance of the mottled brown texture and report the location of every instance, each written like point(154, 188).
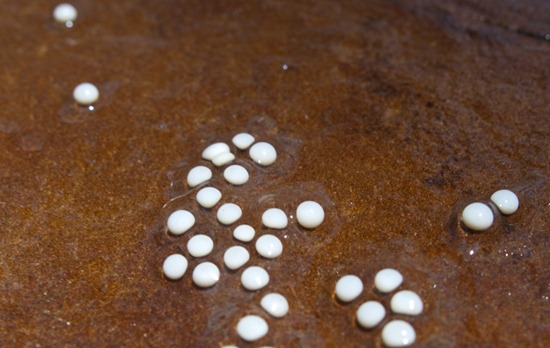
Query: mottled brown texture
point(398, 112)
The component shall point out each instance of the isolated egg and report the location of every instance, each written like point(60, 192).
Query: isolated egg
point(477, 216)
point(85, 94)
point(310, 214)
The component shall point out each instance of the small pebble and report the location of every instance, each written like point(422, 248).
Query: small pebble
point(243, 141)
point(387, 280)
point(506, 201)
point(64, 13)
point(274, 218)
point(398, 333)
point(174, 266)
point(85, 94)
point(254, 278)
point(252, 328)
point(263, 153)
point(198, 175)
point(310, 214)
point(477, 216)
point(348, 288)
point(275, 304)
point(406, 302)
point(223, 158)
point(229, 213)
point(209, 197)
point(370, 314)
point(180, 221)
point(236, 257)
point(215, 149)
point(236, 174)
point(200, 245)
point(269, 246)
point(244, 233)
point(206, 274)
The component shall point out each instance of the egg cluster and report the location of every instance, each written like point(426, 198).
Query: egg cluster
point(396, 333)
point(309, 215)
point(479, 216)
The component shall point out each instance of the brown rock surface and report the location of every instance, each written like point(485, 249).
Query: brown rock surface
point(395, 114)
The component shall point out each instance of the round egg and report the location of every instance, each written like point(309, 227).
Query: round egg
point(197, 175)
point(269, 246)
point(370, 314)
point(275, 304)
point(310, 214)
point(180, 221)
point(64, 13)
point(477, 216)
point(252, 327)
point(348, 288)
point(254, 278)
point(263, 153)
point(229, 213)
point(398, 333)
point(206, 274)
point(236, 174)
point(200, 245)
point(86, 94)
point(235, 257)
point(174, 266)
point(208, 196)
point(274, 218)
point(244, 233)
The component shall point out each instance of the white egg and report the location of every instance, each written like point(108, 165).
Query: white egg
point(477, 216)
point(398, 333)
point(348, 288)
point(263, 153)
point(406, 302)
point(215, 149)
point(198, 175)
point(174, 266)
point(243, 141)
point(370, 314)
point(235, 257)
point(275, 304)
point(180, 221)
point(209, 197)
point(229, 213)
point(252, 327)
point(269, 246)
point(206, 274)
point(236, 174)
point(274, 218)
point(310, 214)
point(200, 245)
point(254, 278)
point(244, 233)
point(65, 13)
point(388, 280)
point(85, 94)
point(506, 201)
point(223, 159)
